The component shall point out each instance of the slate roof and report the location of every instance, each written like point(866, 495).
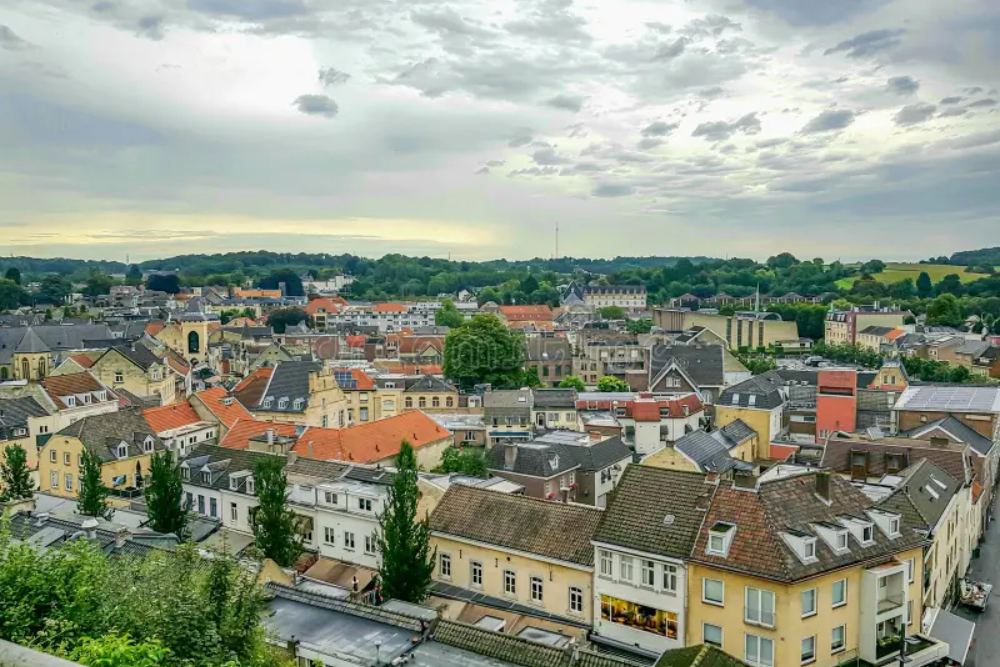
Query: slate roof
point(54, 336)
point(704, 364)
point(140, 355)
point(765, 390)
point(31, 344)
point(875, 330)
point(221, 462)
point(738, 431)
point(55, 532)
point(957, 431)
point(790, 504)
point(954, 459)
point(497, 645)
point(553, 530)
point(289, 380)
point(509, 399)
point(548, 348)
point(637, 512)
point(430, 383)
point(251, 388)
point(701, 655)
point(564, 399)
point(913, 494)
point(101, 433)
point(14, 413)
point(535, 458)
point(709, 451)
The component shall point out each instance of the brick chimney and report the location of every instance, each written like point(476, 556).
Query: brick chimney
point(509, 454)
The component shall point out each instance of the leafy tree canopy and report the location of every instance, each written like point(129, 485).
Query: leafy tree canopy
point(609, 383)
point(484, 351)
point(572, 382)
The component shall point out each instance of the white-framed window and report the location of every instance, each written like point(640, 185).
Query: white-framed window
point(365, 504)
point(54, 480)
point(537, 589)
point(759, 651)
point(445, 569)
point(838, 639)
point(713, 591)
point(909, 569)
point(66, 458)
point(759, 607)
point(371, 544)
point(234, 512)
point(575, 600)
point(894, 526)
point(250, 485)
point(509, 582)
point(842, 541)
point(349, 540)
point(838, 597)
point(809, 602)
point(68, 481)
point(909, 609)
point(123, 451)
point(808, 650)
point(626, 569)
point(670, 578)
point(720, 536)
point(607, 564)
point(711, 634)
point(329, 536)
point(648, 573)
point(53, 456)
point(809, 550)
point(330, 497)
point(119, 377)
point(477, 574)
point(867, 534)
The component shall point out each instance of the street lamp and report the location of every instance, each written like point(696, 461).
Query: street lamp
point(378, 648)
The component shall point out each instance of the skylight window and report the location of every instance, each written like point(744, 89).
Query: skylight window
point(720, 537)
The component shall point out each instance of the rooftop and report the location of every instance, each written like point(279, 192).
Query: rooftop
point(371, 441)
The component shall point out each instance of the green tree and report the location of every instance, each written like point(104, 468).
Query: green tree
point(115, 650)
point(12, 295)
point(945, 310)
point(925, 288)
point(93, 497)
point(572, 382)
point(484, 351)
point(488, 294)
point(403, 539)
point(276, 527)
point(134, 275)
point(529, 285)
point(641, 326)
point(903, 289)
point(164, 496)
point(14, 275)
point(291, 279)
point(282, 318)
point(464, 460)
point(951, 284)
point(164, 282)
point(15, 476)
point(448, 315)
point(98, 284)
point(54, 289)
point(611, 313)
point(610, 383)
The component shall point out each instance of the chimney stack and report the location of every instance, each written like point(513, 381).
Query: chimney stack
point(121, 536)
point(292, 457)
point(823, 485)
point(595, 436)
point(89, 527)
point(509, 454)
point(309, 449)
point(270, 438)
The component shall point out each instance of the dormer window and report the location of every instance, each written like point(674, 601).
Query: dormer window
point(70, 401)
point(206, 477)
point(250, 485)
point(266, 404)
point(186, 473)
point(123, 451)
point(554, 462)
point(282, 403)
point(867, 534)
point(297, 404)
point(887, 522)
point(234, 483)
point(147, 445)
point(841, 541)
point(720, 537)
point(102, 396)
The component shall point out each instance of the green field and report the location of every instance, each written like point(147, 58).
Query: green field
point(897, 272)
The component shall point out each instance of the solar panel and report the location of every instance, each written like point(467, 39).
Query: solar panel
point(954, 399)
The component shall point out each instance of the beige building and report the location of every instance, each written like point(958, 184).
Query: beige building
point(744, 329)
point(430, 393)
point(188, 333)
point(842, 327)
point(304, 393)
point(629, 297)
point(136, 369)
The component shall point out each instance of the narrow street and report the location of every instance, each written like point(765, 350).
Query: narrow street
point(985, 650)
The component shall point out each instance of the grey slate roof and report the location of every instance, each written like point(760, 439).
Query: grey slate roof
point(548, 348)
point(554, 398)
point(913, 494)
point(429, 383)
point(139, 355)
point(508, 399)
point(543, 460)
point(14, 413)
point(100, 434)
point(654, 510)
point(704, 364)
point(875, 330)
point(31, 343)
point(709, 451)
point(54, 532)
point(702, 655)
point(290, 380)
point(765, 390)
point(221, 462)
point(54, 336)
point(738, 431)
point(956, 428)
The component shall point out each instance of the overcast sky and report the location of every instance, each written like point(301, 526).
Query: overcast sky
point(832, 128)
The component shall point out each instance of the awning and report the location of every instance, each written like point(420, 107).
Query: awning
point(956, 632)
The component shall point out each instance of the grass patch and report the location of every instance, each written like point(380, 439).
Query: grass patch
point(896, 272)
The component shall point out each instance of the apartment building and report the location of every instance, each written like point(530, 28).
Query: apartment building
point(843, 327)
point(747, 329)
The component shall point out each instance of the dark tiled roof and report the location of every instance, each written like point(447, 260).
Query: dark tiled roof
point(698, 656)
point(709, 451)
point(548, 348)
point(922, 479)
point(555, 398)
point(951, 458)
point(791, 505)
point(533, 459)
point(54, 336)
point(100, 434)
point(876, 330)
point(765, 390)
point(325, 470)
point(955, 428)
point(430, 383)
point(552, 530)
point(498, 646)
point(138, 355)
point(31, 344)
point(290, 380)
point(738, 431)
point(220, 462)
point(508, 398)
point(14, 413)
point(704, 364)
point(600, 455)
point(54, 532)
point(636, 515)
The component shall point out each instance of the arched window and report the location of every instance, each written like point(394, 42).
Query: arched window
point(194, 343)
point(436, 402)
point(409, 401)
point(4, 374)
point(25, 369)
point(450, 402)
point(41, 368)
point(423, 401)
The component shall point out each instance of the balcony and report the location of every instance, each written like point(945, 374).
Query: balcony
point(887, 647)
point(890, 602)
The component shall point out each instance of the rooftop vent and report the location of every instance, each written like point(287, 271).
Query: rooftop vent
point(668, 520)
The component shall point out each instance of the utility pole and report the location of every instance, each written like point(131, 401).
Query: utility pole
point(557, 239)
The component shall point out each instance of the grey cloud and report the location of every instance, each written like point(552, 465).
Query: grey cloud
point(103, 6)
point(481, 171)
point(448, 22)
point(648, 143)
point(830, 120)
point(565, 102)
point(712, 93)
point(672, 50)
point(951, 100)
point(150, 26)
point(496, 163)
point(316, 105)
point(952, 112)
point(661, 28)
point(712, 25)
point(973, 140)
point(912, 114)
point(612, 190)
point(551, 25)
point(522, 137)
point(535, 171)
point(331, 76)
point(868, 43)
point(770, 143)
point(816, 12)
point(10, 41)
point(583, 168)
point(987, 102)
point(973, 90)
point(722, 130)
point(576, 131)
point(903, 85)
point(251, 10)
point(659, 129)
point(548, 156)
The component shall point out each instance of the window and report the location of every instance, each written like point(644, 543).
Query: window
point(422, 401)
point(477, 574)
point(409, 401)
point(867, 534)
point(719, 537)
point(66, 458)
point(148, 445)
point(201, 504)
point(711, 634)
point(213, 507)
point(625, 573)
point(759, 651)
point(54, 480)
point(329, 536)
point(809, 550)
point(670, 578)
point(330, 497)
point(123, 451)
point(349, 541)
point(449, 402)
point(234, 512)
point(808, 650)
point(909, 569)
point(445, 569)
point(808, 602)
point(607, 564)
point(712, 591)
point(838, 639)
point(648, 573)
point(839, 593)
point(909, 609)
point(53, 455)
point(435, 402)
point(363, 414)
point(69, 482)
point(537, 592)
point(365, 504)
point(370, 544)
point(250, 485)
point(509, 582)
point(575, 600)
point(190, 501)
point(43, 428)
point(70, 401)
point(759, 608)
point(119, 377)
point(842, 541)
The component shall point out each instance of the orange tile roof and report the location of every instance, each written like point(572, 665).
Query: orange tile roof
point(169, 417)
point(73, 383)
point(256, 375)
point(894, 334)
point(242, 321)
point(154, 328)
point(364, 382)
point(527, 313)
point(240, 433)
point(262, 293)
point(327, 305)
point(389, 308)
point(416, 344)
point(356, 341)
point(83, 360)
point(227, 414)
point(374, 441)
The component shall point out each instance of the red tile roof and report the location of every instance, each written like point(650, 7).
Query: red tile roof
point(73, 383)
point(326, 305)
point(169, 417)
point(417, 344)
point(83, 360)
point(374, 441)
point(154, 328)
point(527, 313)
point(646, 410)
point(240, 433)
point(355, 341)
point(389, 308)
point(363, 380)
point(227, 414)
point(256, 375)
point(241, 321)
